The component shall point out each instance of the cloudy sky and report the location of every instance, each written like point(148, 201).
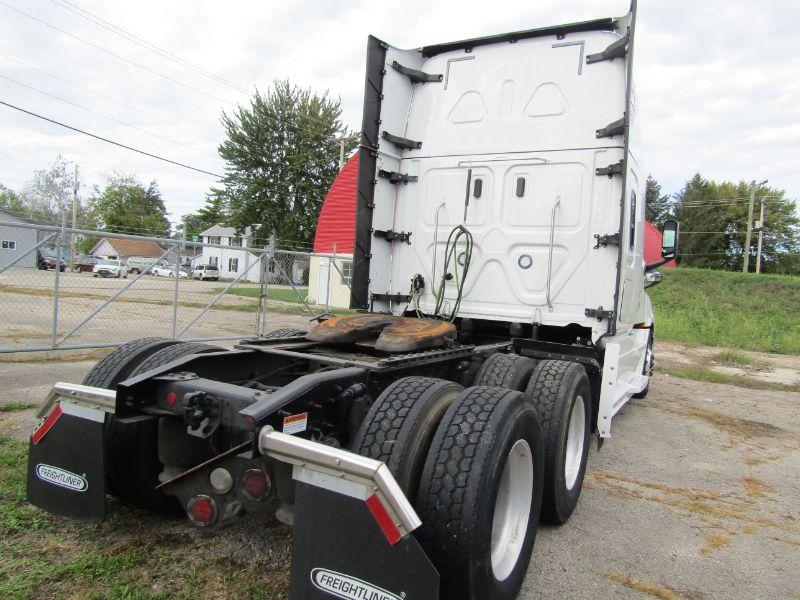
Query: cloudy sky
point(718, 81)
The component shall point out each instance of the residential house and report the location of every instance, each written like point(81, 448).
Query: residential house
point(123, 249)
point(232, 260)
point(16, 241)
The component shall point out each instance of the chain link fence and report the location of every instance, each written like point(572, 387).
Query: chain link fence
point(138, 286)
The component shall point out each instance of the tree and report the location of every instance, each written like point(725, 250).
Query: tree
point(213, 212)
point(713, 221)
point(281, 157)
point(125, 205)
point(50, 191)
point(659, 206)
point(10, 200)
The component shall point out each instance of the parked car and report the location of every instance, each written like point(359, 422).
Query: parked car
point(110, 267)
point(46, 261)
point(167, 271)
point(206, 272)
point(84, 263)
point(137, 264)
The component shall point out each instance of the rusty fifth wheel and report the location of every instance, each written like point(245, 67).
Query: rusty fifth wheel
point(388, 333)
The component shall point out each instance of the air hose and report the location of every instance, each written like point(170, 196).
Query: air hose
point(459, 233)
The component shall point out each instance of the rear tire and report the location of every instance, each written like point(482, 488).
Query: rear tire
point(480, 494)
point(116, 367)
point(562, 396)
point(400, 426)
point(508, 371)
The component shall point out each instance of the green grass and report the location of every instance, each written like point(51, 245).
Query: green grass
point(710, 376)
point(15, 406)
point(733, 310)
point(282, 294)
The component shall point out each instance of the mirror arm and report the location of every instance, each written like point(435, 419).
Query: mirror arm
point(655, 265)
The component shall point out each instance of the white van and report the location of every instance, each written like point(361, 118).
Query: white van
point(137, 264)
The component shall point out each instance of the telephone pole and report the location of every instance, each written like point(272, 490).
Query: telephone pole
point(760, 235)
point(749, 228)
point(74, 220)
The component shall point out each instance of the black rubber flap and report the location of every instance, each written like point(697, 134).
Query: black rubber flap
point(340, 551)
point(66, 471)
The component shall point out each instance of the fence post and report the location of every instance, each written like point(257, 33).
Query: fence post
point(331, 266)
point(178, 251)
point(268, 255)
point(59, 242)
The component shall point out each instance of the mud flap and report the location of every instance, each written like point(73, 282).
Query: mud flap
point(66, 470)
point(344, 548)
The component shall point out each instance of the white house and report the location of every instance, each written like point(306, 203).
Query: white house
point(231, 261)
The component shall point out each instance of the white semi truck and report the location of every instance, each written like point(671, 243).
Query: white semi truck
point(502, 318)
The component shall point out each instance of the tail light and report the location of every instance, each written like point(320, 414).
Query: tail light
point(256, 484)
point(202, 510)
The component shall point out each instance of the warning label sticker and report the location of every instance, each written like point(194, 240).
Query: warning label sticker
point(295, 423)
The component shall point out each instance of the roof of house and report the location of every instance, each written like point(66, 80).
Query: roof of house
point(5, 213)
point(337, 219)
point(221, 231)
point(132, 247)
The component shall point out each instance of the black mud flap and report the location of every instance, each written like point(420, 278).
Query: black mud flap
point(66, 471)
point(343, 549)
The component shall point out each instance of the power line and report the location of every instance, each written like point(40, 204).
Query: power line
point(85, 14)
point(108, 98)
point(115, 55)
point(94, 112)
point(102, 139)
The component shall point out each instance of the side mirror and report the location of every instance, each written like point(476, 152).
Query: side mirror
point(652, 278)
point(669, 239)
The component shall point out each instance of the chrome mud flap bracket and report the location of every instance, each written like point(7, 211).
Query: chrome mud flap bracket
point(66, 469)
point(353, 526)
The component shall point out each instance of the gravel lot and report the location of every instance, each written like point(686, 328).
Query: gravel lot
point(696, 495)
point(26, 308)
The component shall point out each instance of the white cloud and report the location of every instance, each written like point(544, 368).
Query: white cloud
point(717, 81)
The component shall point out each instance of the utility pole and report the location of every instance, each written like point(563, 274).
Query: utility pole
point(760, 235)
point(74, 221)
point(749, 228)
point(341, 141)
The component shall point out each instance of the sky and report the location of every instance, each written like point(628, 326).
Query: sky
point(718, 82)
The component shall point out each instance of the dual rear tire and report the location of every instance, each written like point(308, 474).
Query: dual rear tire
point(472, 462)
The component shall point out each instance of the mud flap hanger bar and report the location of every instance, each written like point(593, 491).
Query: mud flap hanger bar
point(417, 76)
point(84, 395)
point(346, 473)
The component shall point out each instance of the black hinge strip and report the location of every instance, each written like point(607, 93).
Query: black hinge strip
point(616, 50)
point(401, 142)
point(598, 313)
point(395, 177)
point(390, 235)
point(416, 76)
point(612, 129)
point(606, 239)
point(390, 297)
point(615, 169)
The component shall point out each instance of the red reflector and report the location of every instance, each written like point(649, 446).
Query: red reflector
point(47, 424)
point(256, 484)
point(171, 398)
point(384, 520)
point(202, 510)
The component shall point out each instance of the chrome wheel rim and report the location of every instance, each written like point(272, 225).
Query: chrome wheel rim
point(512, 509)
point(576, 435)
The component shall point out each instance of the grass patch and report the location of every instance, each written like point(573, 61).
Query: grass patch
point(281, 294)
point(733, 310)
point(15, 406)
point(735, 358)
point(707, 375)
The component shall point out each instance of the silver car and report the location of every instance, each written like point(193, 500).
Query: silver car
point(209, 272)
